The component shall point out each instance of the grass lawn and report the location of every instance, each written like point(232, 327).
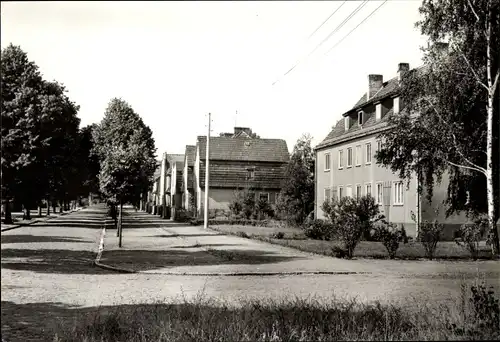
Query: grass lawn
point(295, 238)
point(278, 320)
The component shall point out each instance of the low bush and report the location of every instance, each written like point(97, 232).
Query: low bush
point(429, 234)
point(278, 235)
point(242, 235)
point(196, 222)
point(182, 215)
point(241, 222)
point(469, 236)
point(318, 230)
point(339, 252)
point(391, 236)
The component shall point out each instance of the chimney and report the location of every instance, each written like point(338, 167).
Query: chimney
point(375, 83)
point(247, 130)
point(402, 69)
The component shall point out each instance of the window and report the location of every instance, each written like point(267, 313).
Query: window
point(358, 155)
point(379, 193)
point(251, 174)
point(264, 196)
point(327, 161)
point(368, 189)
point(348, 191)
point(358, 190)
point(349, 157)
point(341, 192)
point(368, 154)
point(398, 193)
point(360, 118)
point(341, 159)
point(327, 194)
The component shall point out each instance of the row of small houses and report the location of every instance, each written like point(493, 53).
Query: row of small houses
point(345, 166)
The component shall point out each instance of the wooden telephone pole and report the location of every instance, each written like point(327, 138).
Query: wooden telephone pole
point(206, 175)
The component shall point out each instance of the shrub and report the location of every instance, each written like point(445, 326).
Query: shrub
point(318, 230)
point(196, 222)
point(182, 215)
point(469, 236)
point(484, 316)
point(390, 236)
point(242, 235)
point(339, 252)
point(429, 234)
point(278, 235)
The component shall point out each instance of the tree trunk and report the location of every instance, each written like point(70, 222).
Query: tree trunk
point(54, 206)
point(121, 225)
point(40, 210)
point(61, 207)
point(489, 141)
point(8, 215)
point(48, 207)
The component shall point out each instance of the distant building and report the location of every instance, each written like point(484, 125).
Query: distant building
point(187, 187)
point(345, 163)
point(237, 160)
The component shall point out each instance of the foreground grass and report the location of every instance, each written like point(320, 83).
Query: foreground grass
point(294, 238)
point(298, 320)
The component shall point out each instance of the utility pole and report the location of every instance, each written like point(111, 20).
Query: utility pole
point(206, 173)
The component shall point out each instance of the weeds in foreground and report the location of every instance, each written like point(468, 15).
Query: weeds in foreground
point(202, 319)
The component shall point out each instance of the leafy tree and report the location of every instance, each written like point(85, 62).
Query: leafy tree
point(455, 99)
point(38, 123)
point(126, 152)
point(296, 199)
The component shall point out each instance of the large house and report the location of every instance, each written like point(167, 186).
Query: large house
point(345, 163)
point(237, 160)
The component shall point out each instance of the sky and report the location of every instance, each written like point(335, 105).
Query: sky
point(175, 62)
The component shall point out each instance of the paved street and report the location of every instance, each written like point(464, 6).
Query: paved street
point(48, 274)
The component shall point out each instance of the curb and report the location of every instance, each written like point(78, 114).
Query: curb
point(214, 274)
point(41, 220)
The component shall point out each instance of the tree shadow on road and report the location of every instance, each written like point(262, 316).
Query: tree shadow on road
point(147, 260)
point(58, 261)
point(26, 238)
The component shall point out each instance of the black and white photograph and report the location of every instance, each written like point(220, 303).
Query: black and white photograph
point(179, 171)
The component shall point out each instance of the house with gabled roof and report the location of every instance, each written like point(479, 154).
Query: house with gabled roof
point(345, 163)
point(174, 182)
point(237, 161)
point(187, 185)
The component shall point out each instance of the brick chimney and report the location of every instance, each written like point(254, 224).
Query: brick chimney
point(375, 83)
point(247, 130)
point(402, 69)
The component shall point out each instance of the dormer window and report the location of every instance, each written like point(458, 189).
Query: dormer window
point(378, 111)
point(396, 106)
point(360, 118)
point(347, 123)
point(251, 174)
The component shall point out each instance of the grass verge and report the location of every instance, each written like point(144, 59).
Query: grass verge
point(280, 320)
point(294, 238)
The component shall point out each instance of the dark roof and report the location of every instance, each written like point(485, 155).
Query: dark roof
point(175, 158)
point(236, 149)
point(234, 175)
point(389, 88)
point(190, 153)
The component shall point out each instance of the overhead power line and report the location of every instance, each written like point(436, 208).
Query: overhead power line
point(347, 35)
point(324, 22)
point(352, 14)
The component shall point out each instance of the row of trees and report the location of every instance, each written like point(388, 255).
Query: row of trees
point(45, 156)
